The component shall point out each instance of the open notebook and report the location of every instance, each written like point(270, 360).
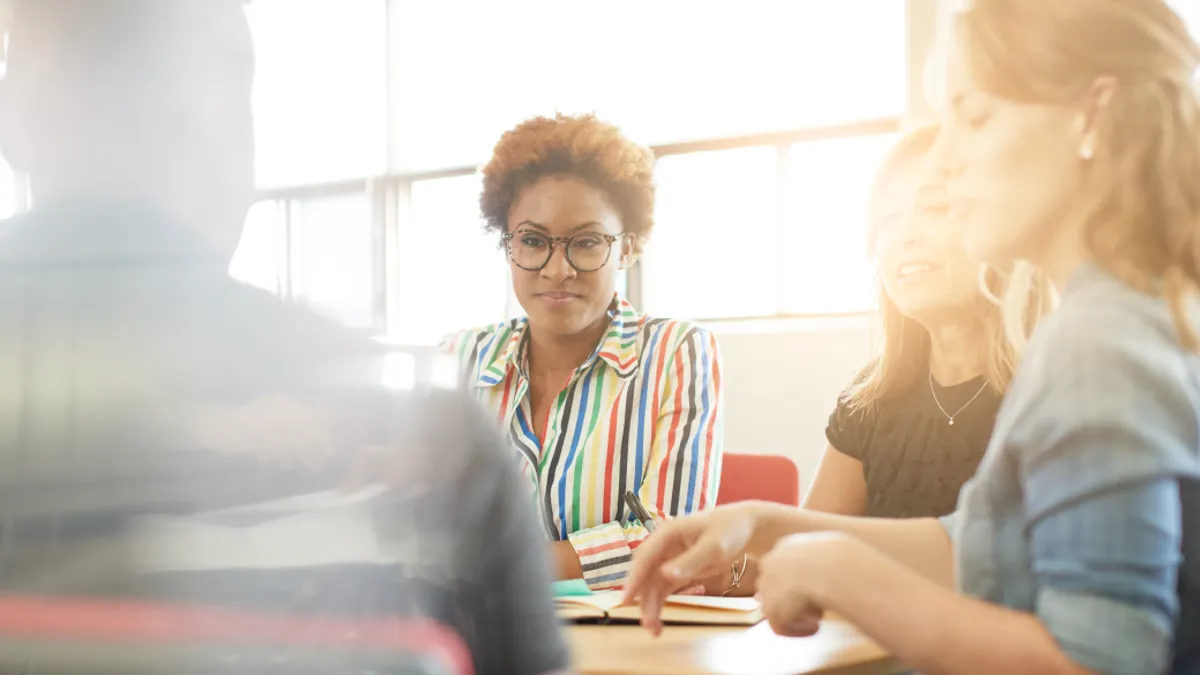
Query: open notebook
point(679, 609)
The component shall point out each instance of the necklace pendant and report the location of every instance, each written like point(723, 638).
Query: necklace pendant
point(951, 421)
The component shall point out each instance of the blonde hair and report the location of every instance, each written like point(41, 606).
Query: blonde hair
point(1140, 206)
point(1009, 305)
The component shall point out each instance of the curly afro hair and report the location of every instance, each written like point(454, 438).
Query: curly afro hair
point(580, 146)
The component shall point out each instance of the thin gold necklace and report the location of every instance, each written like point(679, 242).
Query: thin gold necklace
point(950, 417)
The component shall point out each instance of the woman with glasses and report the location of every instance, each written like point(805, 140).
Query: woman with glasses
point(912, 427)
point(597, 399)
point(1071, 140)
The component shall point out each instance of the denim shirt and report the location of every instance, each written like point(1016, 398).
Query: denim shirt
point(1086, 508)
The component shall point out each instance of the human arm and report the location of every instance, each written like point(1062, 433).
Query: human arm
point(1107, 439)
point(1099, 442)
point(838, 486)
point(1094, 614)
point(684, 457)
point(504, 549)
point(564, 561)
point(462, 525)
point(700, 545)
point(922, 624)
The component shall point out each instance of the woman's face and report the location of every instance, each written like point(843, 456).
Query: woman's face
point(919, 249)
point(559, 298)
point(1013, 169)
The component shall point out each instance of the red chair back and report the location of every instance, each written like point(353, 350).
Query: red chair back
point(771, 478)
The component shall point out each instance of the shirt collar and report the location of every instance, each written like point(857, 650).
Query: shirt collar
point(619, 348)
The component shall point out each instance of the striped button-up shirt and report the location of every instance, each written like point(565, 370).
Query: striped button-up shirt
point(643, 413)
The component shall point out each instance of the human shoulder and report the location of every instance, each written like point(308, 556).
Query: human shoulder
point(675, 337)
point(293, 326)
point(1107, 333)
point(857, 417)
point(475, 348)
point(1105, 393)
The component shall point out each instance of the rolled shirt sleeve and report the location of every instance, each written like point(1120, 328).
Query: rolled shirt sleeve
point(1107, 573)
point(1104, 445)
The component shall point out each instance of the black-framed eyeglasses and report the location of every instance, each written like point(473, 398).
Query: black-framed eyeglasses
point(586, 252)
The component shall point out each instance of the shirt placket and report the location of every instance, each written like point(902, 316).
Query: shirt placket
point(550, 444)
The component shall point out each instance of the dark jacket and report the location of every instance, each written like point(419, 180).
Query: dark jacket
point(115, 327)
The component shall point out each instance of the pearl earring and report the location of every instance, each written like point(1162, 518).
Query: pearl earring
point(1085, 153)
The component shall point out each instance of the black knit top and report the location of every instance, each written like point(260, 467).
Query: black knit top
point(915, 461)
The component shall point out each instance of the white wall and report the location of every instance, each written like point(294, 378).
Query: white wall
point(782, 379)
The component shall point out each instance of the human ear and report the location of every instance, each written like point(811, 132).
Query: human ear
point(1092, 111)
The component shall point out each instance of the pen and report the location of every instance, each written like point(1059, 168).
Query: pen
point(640, 512)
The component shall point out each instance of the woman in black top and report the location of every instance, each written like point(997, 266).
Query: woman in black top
point(912, 427)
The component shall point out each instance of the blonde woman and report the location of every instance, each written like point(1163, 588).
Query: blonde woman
point(911, 429)
point(1073, 141)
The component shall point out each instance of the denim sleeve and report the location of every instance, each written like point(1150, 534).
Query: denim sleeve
point(949, 522)
point(1106, 571)
point(1105, 432)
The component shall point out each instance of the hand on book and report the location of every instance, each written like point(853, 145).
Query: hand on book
point(682, 551)
point(719, 583)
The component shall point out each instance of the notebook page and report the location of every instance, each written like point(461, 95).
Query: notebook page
point(715, 602)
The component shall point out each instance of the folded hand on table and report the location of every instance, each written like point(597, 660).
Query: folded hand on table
point(796, 576)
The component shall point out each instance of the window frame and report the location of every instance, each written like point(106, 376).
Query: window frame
point(389, 193)
point(288, 198)
point(783, 143)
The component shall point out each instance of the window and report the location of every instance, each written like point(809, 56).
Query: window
point(665, 71)
point(452, 275)
point(824, 251)
point(320, 98)
point(332, 261)
point(318, 251)
point(1190, 11)
point(261, 256)
point(761, 231)
point(406, 90)
point(711, 251)
point(8, 191)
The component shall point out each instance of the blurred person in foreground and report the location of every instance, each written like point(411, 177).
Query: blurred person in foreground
point(136, 373)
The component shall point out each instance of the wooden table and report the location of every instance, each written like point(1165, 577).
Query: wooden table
point(838, 649)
